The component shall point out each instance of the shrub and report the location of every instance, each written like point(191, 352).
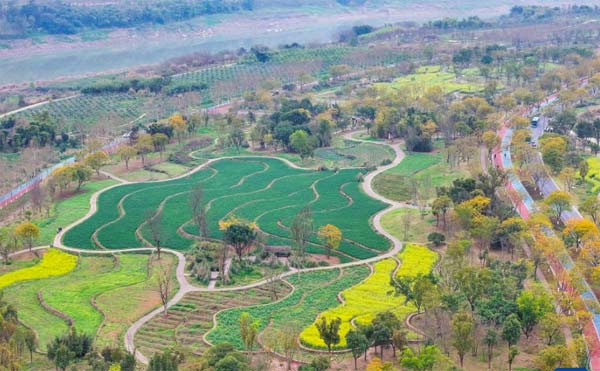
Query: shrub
point(436, 238)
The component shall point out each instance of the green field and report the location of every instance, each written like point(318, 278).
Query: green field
point(69, 210)
point(433, 76)
point(418, 230)
point(72, 294)
point(264, 190)
point(314, 292)
point(426, 171)
point(192, 317)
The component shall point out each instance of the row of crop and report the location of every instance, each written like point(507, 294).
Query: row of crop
point(313, 292)
point(264, 190)
point(192, 317)
point(88, 108)
point(373, 296)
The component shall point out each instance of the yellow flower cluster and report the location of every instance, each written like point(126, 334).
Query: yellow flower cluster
point(234, 220)
point(370, 297)
point(54, 263)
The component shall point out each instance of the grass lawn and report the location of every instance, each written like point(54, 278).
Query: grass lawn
point(419, 229)
point(425, 171)
point(68, 210)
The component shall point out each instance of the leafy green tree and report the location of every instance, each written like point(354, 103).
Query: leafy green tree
point(329, 332)
point(166, 361)
point(533, 305)
point(462, 334)
point(511, 330)
point(358, 344)
point(415, 289)
point(302, 144)
point(440, 207)
point(31, 342)
point(558, 202)
point(591, 206)
point(513, 352)
point(233, 362)
point(490, 340)
point(96, 160)
point(240, 236)
point(248, 330)
point(80, 173)
point(584, 169)
point(425, 360)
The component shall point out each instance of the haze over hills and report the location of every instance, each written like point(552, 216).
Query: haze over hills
point(61, 45)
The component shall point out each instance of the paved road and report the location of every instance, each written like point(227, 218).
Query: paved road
point(186, 287)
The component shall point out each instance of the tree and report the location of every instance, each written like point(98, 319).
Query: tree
point(584, 169)
point(490, 340)
point(533, 305)
point(159, 141)
point(8, 243)
point(248, 330)
point(164, 285)
point(166, 361)
point(179, 125)
point(553, 152)
point(567, 176)
point(301, 144)
point(511, 330)
point(331, 236)
point(462, 334)
point(80, 173)
point(553, 357)
point(414, 288)
point(440, 207)
point(580, 230)
point(437, 239)
point(154, 223)
point(27, 232)
point(513, 352)
point(491, 140)
point(31, 342)
point(591, 206)
point(236, 136)
point(558, 202)
point(329, 332)
point(96, 160)
point(143, 146)
point(426, 360)
point(126, 153)
point(358, 344)
point(550, 325)
point(199, 209)
point(240, 236)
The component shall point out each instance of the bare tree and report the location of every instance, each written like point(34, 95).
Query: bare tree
point(164, 285)
point(37, 195)
point(154, 222)
point(199, 209)
point(302, 228)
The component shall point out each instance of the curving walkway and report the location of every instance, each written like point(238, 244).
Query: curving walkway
point(186, 287)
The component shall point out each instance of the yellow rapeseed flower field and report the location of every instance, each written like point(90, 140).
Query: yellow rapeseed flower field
point(370, 297)
point(54, 263)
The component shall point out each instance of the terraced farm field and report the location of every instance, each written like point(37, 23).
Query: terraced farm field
point(364, 301)
point(192, 317)
point(264, 190)
point(73, 295)
point(314, 292)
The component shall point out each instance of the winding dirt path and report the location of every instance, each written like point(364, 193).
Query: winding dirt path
point(186, 287)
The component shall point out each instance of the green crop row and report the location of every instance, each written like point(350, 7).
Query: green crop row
point(313, 292)
point(264, 190)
